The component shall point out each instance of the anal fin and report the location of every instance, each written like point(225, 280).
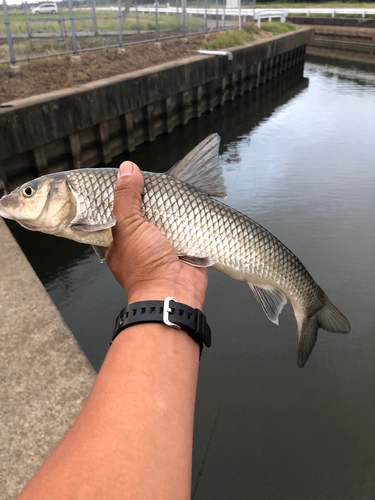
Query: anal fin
point(271, 300)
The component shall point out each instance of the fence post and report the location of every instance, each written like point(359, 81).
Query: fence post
point(9, 34)
point(205, 15)
point(61, 22)
point(71, 18)
point(27, 21)
point(95, 26)
point(119, 24)
point(156, 21)
point(183, 5)
point(178, 15)
point(224, 1)
point(217, 14)
point(136, 15)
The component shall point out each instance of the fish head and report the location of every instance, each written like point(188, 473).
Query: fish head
point(43, 204)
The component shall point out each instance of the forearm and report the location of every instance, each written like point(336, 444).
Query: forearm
point(133, 438)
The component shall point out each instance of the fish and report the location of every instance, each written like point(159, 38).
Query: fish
point(182, 203)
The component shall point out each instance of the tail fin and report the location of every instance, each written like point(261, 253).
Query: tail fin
point(329, 318)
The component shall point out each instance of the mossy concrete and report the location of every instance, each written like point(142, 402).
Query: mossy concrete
point(44, 376)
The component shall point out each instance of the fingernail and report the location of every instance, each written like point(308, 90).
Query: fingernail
point(126, 168)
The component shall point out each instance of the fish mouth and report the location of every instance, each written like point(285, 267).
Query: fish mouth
point(29, 226)
point(7, 215)
point(4, 213)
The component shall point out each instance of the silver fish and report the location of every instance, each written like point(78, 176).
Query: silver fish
point(78, 205)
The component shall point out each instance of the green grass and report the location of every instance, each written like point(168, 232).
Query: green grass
point(278, 28)
point(45, 46)
point(233, 38)
point(230, 38)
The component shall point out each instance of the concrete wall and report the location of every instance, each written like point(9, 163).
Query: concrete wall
point(333, 21)
point(335, 50)
point(341, 39)
point(44, 375)
point(89, 125)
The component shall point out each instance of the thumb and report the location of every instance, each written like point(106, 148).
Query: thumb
point(127, 195)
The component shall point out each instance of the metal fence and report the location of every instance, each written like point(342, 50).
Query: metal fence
point(71, 26)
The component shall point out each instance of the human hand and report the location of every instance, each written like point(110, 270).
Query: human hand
point(142, 260)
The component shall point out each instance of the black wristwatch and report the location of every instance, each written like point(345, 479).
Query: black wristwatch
point(169, 312)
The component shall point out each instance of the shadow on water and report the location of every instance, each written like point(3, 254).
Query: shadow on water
point(298, 157)
point(230, 121)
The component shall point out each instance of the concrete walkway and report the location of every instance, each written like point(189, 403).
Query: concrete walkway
point(44, 375)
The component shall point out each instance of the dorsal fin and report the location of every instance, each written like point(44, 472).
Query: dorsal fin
point(201, 168)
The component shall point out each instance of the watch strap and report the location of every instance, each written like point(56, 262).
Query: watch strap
point(169, 312)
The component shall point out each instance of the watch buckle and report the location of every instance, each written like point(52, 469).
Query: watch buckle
point(166, 310)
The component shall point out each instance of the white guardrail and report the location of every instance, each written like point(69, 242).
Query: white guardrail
point(257, 14)
point(245, 13)
point(333, 12)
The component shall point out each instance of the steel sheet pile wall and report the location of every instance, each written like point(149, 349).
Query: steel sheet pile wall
point(88, 126)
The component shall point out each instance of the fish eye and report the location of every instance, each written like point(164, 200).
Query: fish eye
point(28, 191)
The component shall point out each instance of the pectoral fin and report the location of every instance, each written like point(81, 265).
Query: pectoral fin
point(89, 227)
point(100, 252)
point(197, 261)
point(271, 300)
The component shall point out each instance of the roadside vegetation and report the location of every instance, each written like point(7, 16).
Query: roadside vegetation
point(232, 38)
point(106, 21)
point(278, 28)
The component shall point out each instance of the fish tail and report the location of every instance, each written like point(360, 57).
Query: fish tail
point(329, 318)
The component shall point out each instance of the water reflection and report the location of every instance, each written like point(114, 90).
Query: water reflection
point(300, 160)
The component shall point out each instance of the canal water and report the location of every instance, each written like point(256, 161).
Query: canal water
point(299, 158)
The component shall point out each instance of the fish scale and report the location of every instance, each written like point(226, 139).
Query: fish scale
point(237, 242)
point(94, 190)
point(203, 231)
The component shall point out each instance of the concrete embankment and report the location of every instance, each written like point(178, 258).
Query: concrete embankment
point(44, 375)
point(89, 125)
point(341, 38)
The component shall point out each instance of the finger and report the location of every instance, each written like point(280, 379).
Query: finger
point(127, 196)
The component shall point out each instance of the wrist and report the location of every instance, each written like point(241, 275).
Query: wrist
point(169, 313)
point(191, 298)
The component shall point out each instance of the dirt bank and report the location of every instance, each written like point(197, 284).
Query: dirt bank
point(58, 73)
